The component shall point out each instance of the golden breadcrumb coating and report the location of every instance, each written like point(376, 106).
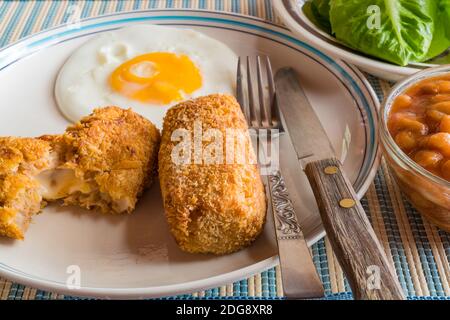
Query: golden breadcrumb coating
point(20, 196)
point(116, 151)
point(23, 155)
point(105, 161)
point(210, 208)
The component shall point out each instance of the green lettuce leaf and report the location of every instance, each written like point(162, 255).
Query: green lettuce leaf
point(405, 32)
point(445, 7)
point(322, 10)
point(441, 36)
point(318, 12)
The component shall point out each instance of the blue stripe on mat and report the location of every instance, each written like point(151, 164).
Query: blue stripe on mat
point(154, 4)
point(12, 24)
point(425, 253)
point(269, 10)
point(137, 5)
point(31, 21)
point(320, 260)
point(445, 237)
point(3, 8)
point(252, 7)
point(104, 5)
point(48, 20)
point(393, 234)
point(268, 283)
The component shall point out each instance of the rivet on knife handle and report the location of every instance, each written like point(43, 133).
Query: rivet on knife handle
point(354, 242)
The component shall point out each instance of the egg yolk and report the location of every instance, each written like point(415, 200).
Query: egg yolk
point(157, 77)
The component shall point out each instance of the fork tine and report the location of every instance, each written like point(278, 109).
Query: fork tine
point(272, 99)
point(262, 105)
point(251, 100)
point(240, 92)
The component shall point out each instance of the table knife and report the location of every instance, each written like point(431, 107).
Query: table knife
point(352, 237)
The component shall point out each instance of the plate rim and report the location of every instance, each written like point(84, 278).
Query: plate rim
point(143, 292)
point(214, 281)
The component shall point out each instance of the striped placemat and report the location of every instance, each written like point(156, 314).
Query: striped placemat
point(419, 251)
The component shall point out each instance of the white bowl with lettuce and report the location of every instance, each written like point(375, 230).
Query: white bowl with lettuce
point(391, 39)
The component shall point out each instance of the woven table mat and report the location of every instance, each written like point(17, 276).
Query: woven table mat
point(419, 251)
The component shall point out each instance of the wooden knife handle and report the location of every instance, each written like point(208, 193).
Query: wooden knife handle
point(354, 242)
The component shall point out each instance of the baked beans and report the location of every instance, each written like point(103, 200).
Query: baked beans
point(419, 122)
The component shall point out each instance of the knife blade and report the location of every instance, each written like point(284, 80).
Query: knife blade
point(370, 274)
point(290, 93)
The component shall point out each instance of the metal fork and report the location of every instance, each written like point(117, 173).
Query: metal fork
point(298, 273)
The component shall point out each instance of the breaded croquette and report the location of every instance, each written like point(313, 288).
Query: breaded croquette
point(105, 161)
point(210, 208)
point(113, 153)
point(20, 194)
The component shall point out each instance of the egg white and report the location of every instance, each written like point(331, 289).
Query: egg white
point(83, 82)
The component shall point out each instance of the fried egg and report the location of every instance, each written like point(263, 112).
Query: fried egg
point(147, 68)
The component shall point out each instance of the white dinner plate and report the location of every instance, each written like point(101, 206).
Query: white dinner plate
point(291, 13)
point(135, 256)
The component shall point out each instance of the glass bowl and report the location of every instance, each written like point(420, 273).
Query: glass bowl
point(428, 193)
